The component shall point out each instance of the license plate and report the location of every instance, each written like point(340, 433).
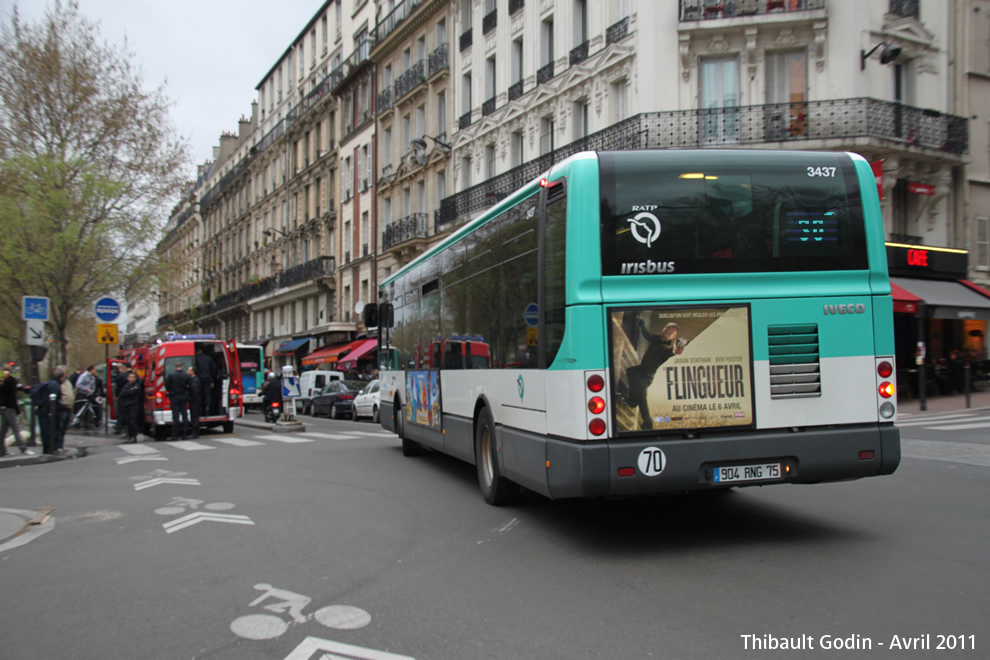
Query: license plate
point(746, 473)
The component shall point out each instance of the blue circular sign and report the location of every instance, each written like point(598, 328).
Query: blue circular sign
point(532, 315)
point(107, 310)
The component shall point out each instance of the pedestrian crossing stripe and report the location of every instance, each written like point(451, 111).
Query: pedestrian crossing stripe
point(189, 445)
point(937, 420)
point(374, 435)
point(137, 450)
point(288, 439)
point(961, 427)
point(330, 436)
point(237, 442)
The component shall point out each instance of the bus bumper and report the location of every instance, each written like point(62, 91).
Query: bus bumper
point(812, 456)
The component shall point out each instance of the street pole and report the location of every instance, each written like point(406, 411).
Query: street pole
point(106, 391)
point(920, 321)
point(967, 380)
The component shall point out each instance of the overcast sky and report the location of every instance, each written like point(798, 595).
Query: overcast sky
point(211, 53)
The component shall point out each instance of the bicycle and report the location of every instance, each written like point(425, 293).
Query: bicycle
point(88, 415)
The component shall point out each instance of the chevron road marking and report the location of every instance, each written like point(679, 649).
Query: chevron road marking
point(288, 439)
point(137, 450)
point(135, 459)
point(203, 516)
point(237, 442)
point(189, 445)
point(166, 480)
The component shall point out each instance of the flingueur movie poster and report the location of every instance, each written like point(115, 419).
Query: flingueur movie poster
point(682, 368)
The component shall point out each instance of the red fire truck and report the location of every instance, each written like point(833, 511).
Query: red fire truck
point(153, 361)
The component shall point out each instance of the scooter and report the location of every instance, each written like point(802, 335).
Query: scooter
point(273, 411)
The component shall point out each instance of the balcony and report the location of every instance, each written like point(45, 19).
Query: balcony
point(395, 18)
point(384, 100)
point(405, 229)
point(617, 32)
point(438, 60)
point(703, 10)
point(356, 62)
point(467, 38)
point(488, 107)
point(410, 79)
point(579, 54)
point(906, 8)
point(515, 5)
point(464, 121)
point(544, 74)
point(489, 22)
point(515, 91)
point(834, 125)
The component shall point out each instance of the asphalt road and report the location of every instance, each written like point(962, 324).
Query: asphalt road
point(337, 546)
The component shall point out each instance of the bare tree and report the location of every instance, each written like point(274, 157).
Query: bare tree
point(89, 163)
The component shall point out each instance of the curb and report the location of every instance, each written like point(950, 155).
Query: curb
point(37, 459)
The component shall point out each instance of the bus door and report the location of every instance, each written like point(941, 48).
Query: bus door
point(233, 384)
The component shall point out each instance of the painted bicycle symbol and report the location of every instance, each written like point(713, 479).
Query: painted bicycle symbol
point(292, 605)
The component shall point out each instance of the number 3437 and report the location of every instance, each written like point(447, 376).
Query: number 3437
point(821, 171)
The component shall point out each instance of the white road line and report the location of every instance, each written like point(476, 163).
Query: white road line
point(137, 450)
point(329, 436)
point(951, 452)
point(374, 435)
point(936, 420)
point(917, 417)
point(961, 427)
point(237, 442)
point(189, 445)
point(288, 439)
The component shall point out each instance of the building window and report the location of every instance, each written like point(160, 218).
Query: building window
point(620, 101)
point(546, 42)
point(580, 120)
point(516, 148)
point(441, 115)
point(546, 135)
point(465, 173)
point(441, 185)
point(982, 243)
point(490, 164)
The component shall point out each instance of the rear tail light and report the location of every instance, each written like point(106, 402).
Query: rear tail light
point(886, 390)
point(597, 426)
point(596, 383)
point(596, 405)
point(884, 369)
point(274, 404)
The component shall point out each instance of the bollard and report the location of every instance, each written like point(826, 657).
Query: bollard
point(52, 420)
point(967, 381)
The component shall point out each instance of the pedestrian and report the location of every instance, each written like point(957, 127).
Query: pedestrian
point(118, 385)
point(65, 406)
point(206, 369)
point(9, 410)
point(75, 376)
point(41, 397)
point(193, 401)
point(86, 390)
point(177, 384)
point(129, 406)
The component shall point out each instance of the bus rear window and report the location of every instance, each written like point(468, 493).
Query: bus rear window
point(678, 212)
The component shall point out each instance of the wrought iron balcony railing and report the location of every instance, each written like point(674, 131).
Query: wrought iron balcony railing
point(544, 74)
point(896, 126)
point(438, 60)
point(488, 107)
point(617, 32)
point(515, 91)
point(579, 54)
point(702, 10)
point(384, 100)
point(404, 229)
point(395, 18)
point(467, 38)
point(410, 79)
point(489, 22)
point(464, 121)
point(516, 5)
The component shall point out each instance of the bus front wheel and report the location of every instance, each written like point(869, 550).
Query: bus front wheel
point(409, 447)
point(496, 489)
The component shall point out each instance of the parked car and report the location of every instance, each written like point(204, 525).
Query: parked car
point(310, 384)
point(337, 398)
point(366, 403)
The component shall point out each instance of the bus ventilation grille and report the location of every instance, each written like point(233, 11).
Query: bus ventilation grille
point(794, 364)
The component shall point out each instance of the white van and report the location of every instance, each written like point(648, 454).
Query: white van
point(310, 384)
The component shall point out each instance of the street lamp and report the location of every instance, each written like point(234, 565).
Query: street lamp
point(889, 53)
point(420, 144)
point(268, 232)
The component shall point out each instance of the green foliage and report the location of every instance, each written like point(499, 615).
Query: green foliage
point(89, 164)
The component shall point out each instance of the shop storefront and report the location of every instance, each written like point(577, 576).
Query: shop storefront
point(353, 357)
point(938, 314)
point(291, 352)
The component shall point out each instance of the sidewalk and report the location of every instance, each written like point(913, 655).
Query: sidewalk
point(946, 403)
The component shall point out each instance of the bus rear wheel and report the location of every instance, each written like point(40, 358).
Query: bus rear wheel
point(496, 489)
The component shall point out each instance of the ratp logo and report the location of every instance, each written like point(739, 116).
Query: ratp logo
point(521, 386)
point(645, 227)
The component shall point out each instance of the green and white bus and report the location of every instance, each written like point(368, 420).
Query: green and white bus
point(644, 322)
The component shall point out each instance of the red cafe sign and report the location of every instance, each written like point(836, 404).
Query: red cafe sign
point(917, 258)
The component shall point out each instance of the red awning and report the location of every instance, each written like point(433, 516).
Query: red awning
point(364, 346)
point(329, 354)
point(904, 301)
